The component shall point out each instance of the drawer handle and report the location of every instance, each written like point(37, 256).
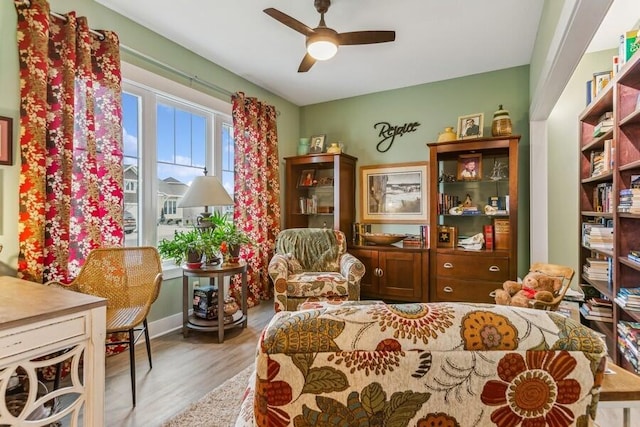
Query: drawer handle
point(494, 268)
point(448, 265)
point(448, 289)
point(492, 294)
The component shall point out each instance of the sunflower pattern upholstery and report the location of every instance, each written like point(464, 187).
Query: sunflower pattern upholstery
point(313, 264)
point(424, 364)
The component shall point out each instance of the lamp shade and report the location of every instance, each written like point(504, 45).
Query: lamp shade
point(205, 191)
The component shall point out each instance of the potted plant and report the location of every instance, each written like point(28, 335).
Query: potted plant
point(231, 238)
point(185, 245)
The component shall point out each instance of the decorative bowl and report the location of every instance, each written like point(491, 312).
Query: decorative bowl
point(383, 238)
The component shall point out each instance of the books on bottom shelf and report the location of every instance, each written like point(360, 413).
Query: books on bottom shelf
point(599, 307)
point(629, 341)
point(600, 318)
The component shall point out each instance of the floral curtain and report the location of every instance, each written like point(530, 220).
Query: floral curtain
point(71, 180)
point(257, 189)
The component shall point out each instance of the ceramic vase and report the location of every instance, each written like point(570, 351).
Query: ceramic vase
point(501, 125)
point(448, 135)
point(303, 146)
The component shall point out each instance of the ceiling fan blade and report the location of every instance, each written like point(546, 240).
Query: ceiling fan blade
point(306, 64)
point(366, 37)
point(289, 21)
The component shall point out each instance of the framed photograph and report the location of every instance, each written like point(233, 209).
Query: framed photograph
point(307, 178)
point(317, 144)
point(470, 167)
point(601, 80)
point(6, 141)
point(447, 237)
point(470, 126)
point(394, 193)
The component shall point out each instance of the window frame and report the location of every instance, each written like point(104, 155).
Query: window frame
point(156, 89)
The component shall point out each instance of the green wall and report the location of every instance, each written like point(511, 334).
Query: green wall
point(434, 106)
point(563, 149)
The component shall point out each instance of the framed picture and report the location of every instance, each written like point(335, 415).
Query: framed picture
point(394, 193)
point(317, 144)
point(447, 237)
point(6, 141)
point(470, 167)
point(307, 178)
point(601, 80)
point(470, 126)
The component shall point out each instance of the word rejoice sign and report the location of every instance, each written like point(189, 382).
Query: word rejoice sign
point(388, 133)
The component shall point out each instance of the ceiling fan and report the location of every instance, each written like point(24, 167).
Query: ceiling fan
point(322, 41)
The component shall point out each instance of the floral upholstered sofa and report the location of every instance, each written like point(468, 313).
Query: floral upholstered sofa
point(313, 264)
point(424, 364)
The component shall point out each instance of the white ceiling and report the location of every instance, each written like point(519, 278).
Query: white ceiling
point(435, 40)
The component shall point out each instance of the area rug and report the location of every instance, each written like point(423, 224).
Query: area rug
point(218, 408)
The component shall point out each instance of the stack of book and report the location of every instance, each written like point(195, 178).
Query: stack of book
point(634, 255)
point(597, 269)
point(605, 124)
point(629, 299)
point(598, 309)
point(629, 201)
point(597, 236)
point(629, 341)
point(470, 210)
point(412, 241)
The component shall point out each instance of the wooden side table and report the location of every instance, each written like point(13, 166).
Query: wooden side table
point(216, 275)
point(620, 390)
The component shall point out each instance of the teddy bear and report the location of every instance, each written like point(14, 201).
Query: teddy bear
point(535, 285)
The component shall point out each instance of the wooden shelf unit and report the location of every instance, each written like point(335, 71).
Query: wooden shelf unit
point(457, 274)
point(620, 97)
point(334, 192)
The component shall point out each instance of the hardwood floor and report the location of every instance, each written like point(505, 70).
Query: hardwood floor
point(184, 370)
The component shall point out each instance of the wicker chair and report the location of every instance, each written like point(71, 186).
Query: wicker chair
point(129, 278)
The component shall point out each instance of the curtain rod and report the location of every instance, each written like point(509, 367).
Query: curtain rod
point(174, 70)
point(156, 62)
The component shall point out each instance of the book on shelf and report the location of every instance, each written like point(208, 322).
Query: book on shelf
point(501, 233)
point(412, 241)
point(634, 182)
point(628, 45)
point(488, 237)
point(600, 318)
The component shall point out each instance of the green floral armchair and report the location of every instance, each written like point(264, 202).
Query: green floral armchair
point(424, 364)
point(313, 264)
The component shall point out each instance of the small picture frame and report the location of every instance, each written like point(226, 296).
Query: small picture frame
point(6, 141)
point(317, 144)
point(307, 178)
point(601, 80)
point(470, 126)
point(447, 237)
point(469, 167)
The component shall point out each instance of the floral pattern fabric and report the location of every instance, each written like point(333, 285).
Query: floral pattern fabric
point(256, 190)
point(71, 180)
point(424, 364)
point(336, 278)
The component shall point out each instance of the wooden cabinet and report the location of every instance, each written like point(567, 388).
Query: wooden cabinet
point(609, 162)
point(458, 210)
point(393, 273)
point(467, 276)
point(320, 192)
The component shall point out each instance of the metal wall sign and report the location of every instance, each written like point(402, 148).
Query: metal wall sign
point(389, 132)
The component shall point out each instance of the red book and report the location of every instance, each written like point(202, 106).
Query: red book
point(488, 237)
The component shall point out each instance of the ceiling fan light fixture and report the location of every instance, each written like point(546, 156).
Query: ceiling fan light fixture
point(322, 47)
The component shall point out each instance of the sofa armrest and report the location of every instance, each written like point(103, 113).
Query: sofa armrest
point(279, 272)
point(353, 270)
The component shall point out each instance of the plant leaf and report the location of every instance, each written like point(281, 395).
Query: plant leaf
point(373, 398)
point(402, 407)
point(324, 380)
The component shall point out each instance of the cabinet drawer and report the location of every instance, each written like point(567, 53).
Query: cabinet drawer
point(473, 267)
point(448, 289)
point(16, 341)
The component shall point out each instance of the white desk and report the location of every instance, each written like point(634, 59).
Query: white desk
point(36, 321)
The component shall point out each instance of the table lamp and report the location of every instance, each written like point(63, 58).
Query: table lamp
point(205, 191)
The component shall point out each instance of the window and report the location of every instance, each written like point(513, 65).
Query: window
point(171, 133)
